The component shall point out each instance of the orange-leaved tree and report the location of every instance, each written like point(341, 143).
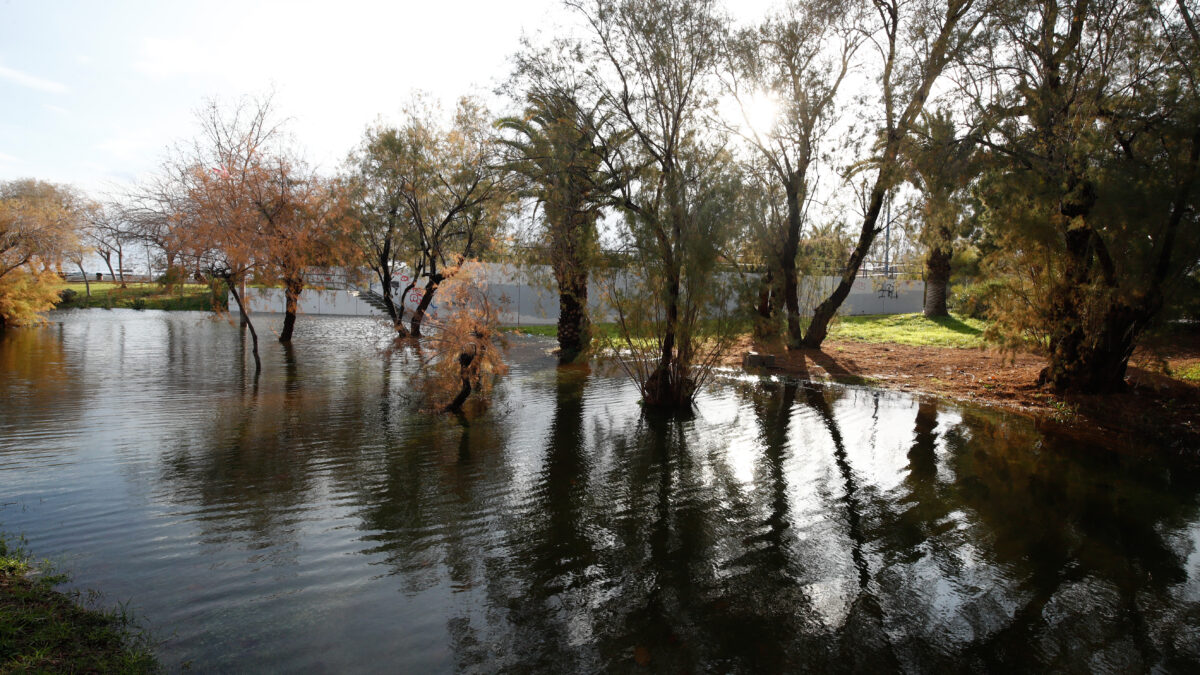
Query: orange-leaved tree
point(223, 175)
point(38, 226)
point(466, 348)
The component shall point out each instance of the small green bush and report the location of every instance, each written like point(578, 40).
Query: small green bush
point(973, 299)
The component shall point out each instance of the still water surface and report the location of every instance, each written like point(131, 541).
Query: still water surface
point(320, 522)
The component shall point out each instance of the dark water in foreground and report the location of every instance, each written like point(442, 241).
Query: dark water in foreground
point(320, 523)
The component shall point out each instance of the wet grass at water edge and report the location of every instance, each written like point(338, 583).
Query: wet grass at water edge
point(43, 630)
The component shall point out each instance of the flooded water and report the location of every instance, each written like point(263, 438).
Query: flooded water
point(320, 522)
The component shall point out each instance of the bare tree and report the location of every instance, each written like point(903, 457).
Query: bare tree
point(109, 233)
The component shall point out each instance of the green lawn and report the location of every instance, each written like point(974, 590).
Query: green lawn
point(910, 329)
point(110, 295)
point(904, 329)
point(44, 631)
point(1190, 373)
point(599, 330)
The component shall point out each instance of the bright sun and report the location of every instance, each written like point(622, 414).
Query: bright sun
point(758, 113)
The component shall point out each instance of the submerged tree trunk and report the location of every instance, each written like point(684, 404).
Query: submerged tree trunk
point(574, 327)
point(291, 292)
point(937, 279)
point(464, 365)
point(668, 386)
point(237, 297)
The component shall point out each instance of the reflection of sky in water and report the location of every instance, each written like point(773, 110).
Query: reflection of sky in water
point(319, 521)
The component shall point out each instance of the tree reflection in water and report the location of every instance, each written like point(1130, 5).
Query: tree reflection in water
point(786, 526)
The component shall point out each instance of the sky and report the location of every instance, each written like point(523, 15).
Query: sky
point(92, 93)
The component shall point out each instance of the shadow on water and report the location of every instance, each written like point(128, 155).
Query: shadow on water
point(320, 520)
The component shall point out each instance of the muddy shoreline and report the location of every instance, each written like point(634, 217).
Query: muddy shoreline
point(1155, 407)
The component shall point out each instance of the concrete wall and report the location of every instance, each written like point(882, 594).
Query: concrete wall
point(526, 297)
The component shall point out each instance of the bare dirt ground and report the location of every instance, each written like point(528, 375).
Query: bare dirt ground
point(1155, 406)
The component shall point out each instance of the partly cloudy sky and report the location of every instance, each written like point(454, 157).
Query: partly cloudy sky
point(92, 92)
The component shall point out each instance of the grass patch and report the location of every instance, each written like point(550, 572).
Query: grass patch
point(904, 329)
point(911, 329)
point(110, 295)
point(600, 331)
point(1191, 372)
point(42, 630)
point(543, 331)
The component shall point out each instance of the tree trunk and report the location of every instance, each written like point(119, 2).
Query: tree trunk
point(86, 284)
point(787, 260)
point(108, 263)
point(764, 324)
point(291, 293)
point(167, 273)
point(1092, 332)
point(464, 363)
point(414, 328)
point(121, 266)
point(574, 328)
point(237, 297)
point(1095, 363)
point(668, 386)
point(937, 278)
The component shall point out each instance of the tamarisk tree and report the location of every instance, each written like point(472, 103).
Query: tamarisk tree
point(430, 190)
point(914, 44)
point(654, 68)
point(1096, 131)
point(799, 58)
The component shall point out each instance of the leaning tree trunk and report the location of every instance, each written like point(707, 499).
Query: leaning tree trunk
point(937, 279)
point(824, 313)
point(414, 327)
point(291, 292)
point(237, 297)
point(108, 263)
point(86, 284)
